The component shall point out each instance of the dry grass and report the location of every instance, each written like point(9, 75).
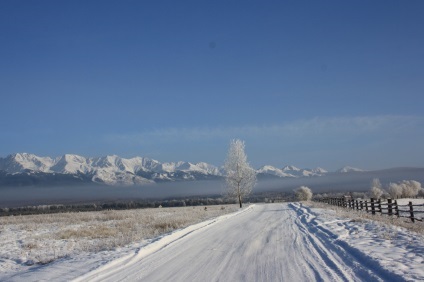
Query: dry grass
point(92, 232)
point(43, 238)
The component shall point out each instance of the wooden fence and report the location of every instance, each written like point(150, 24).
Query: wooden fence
point(389, 207)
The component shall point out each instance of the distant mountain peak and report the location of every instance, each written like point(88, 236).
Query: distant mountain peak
point(290, 168)
point(349, 169)
point(319, 170)
point(269, 169)
point(25, 161)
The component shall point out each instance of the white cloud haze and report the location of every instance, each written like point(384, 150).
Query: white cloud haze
point(300, 128)
point(368, 141)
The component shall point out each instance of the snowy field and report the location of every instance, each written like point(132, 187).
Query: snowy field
point(403, 221)
point(420, 209)
point(267, 242)
point(35, 240)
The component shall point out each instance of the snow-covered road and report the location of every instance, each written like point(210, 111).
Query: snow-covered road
point(273, 242)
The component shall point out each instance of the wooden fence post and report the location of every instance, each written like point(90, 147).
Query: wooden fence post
point(357, 205)
point(362, 205)
point(372, 206)
point(411, 211)
point(379, 206)
point(396, 208)
point(389, 207)
point(366, 206)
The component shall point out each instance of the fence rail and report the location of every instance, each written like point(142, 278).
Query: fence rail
point(390, 207)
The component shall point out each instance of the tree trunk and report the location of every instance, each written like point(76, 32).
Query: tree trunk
point(240, 201)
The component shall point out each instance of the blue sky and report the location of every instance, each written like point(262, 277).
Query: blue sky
point(328, 83)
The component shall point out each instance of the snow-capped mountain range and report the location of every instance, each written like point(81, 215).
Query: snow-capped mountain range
point(291, 171)
point(114, 170)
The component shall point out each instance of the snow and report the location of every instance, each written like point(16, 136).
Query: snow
point(268, 169)
point(290, 168)
point(267, 242)
point(114, 170)
point(319, 170)
point(297, 172)
point(21, 161)
point(405, 201)
point(71, 164)
point(291, 171)
point(208, 168)
point(349, 169)
point(418, 206)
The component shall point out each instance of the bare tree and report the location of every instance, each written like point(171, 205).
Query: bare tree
point(303, 193)
point(240, 177)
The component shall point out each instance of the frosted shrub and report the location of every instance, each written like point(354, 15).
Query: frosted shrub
point(303, 193)
point(376, 190)
point(395, 190)
point(411, 188)
point(405, 189)
point(376, 193)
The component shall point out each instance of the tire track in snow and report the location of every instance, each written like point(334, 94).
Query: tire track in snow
point(338, 253)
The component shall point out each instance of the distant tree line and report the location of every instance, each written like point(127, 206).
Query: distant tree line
point(267, 197)
point(403, 189)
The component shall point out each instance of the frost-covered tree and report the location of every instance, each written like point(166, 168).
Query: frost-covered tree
point(240, 178)
point(376, 183)
point(303, 193)
point(394, 190)
point(376, 190)
point(375, 193)
point(404, 189)
point(410, 188)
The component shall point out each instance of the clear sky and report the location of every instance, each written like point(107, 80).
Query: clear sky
point(308, 83)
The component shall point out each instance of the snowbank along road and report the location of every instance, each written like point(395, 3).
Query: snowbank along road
point(272, 242)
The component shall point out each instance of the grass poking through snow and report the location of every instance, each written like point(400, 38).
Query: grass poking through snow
point(43, 238)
